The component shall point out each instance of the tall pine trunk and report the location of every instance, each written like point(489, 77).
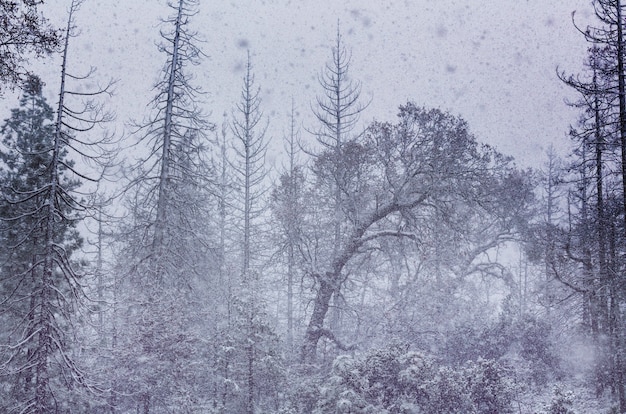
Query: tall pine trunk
point(164, 177)
point(622, 124)
point(43, 397)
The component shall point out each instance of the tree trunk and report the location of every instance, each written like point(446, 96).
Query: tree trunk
point(622, 124)
point(250, 375)
point(164, 177)
point(320, 309)
point(145, 403)
point(42, 391)
point(330, 282)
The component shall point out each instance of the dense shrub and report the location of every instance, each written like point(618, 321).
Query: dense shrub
point(524, 340)
point(397, 380)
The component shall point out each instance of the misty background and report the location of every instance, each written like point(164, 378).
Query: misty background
point(492, 62)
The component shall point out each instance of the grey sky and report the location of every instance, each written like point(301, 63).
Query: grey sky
point(491, 61)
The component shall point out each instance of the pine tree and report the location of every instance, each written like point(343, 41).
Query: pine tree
point(602, 130)
point(251, 333)
point(288, 210)
point(30, 295)
point(167, 246)
point(249, 166)
point(47, 208)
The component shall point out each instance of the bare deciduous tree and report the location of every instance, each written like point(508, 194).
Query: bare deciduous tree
point(420, 167)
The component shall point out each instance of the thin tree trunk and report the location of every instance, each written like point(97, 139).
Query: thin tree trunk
point(164, 177)
point(290, 273)
point(599, 305)
point(292, 235)
point(250, 374)
point(622, 123)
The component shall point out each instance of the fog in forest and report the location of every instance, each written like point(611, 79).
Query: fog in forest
point(312, 207)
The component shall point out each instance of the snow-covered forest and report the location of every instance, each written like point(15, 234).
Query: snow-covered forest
point(194, 263)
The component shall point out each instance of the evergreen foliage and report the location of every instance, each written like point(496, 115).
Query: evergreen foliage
point(31, 162)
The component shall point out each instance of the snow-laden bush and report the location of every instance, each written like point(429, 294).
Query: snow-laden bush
point(397, 380)
point(526, 340)
point(561, 403)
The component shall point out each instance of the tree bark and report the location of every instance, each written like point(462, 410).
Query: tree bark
point(320, 309)
point(622, 123)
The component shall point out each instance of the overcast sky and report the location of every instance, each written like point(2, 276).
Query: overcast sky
point(493, 62)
